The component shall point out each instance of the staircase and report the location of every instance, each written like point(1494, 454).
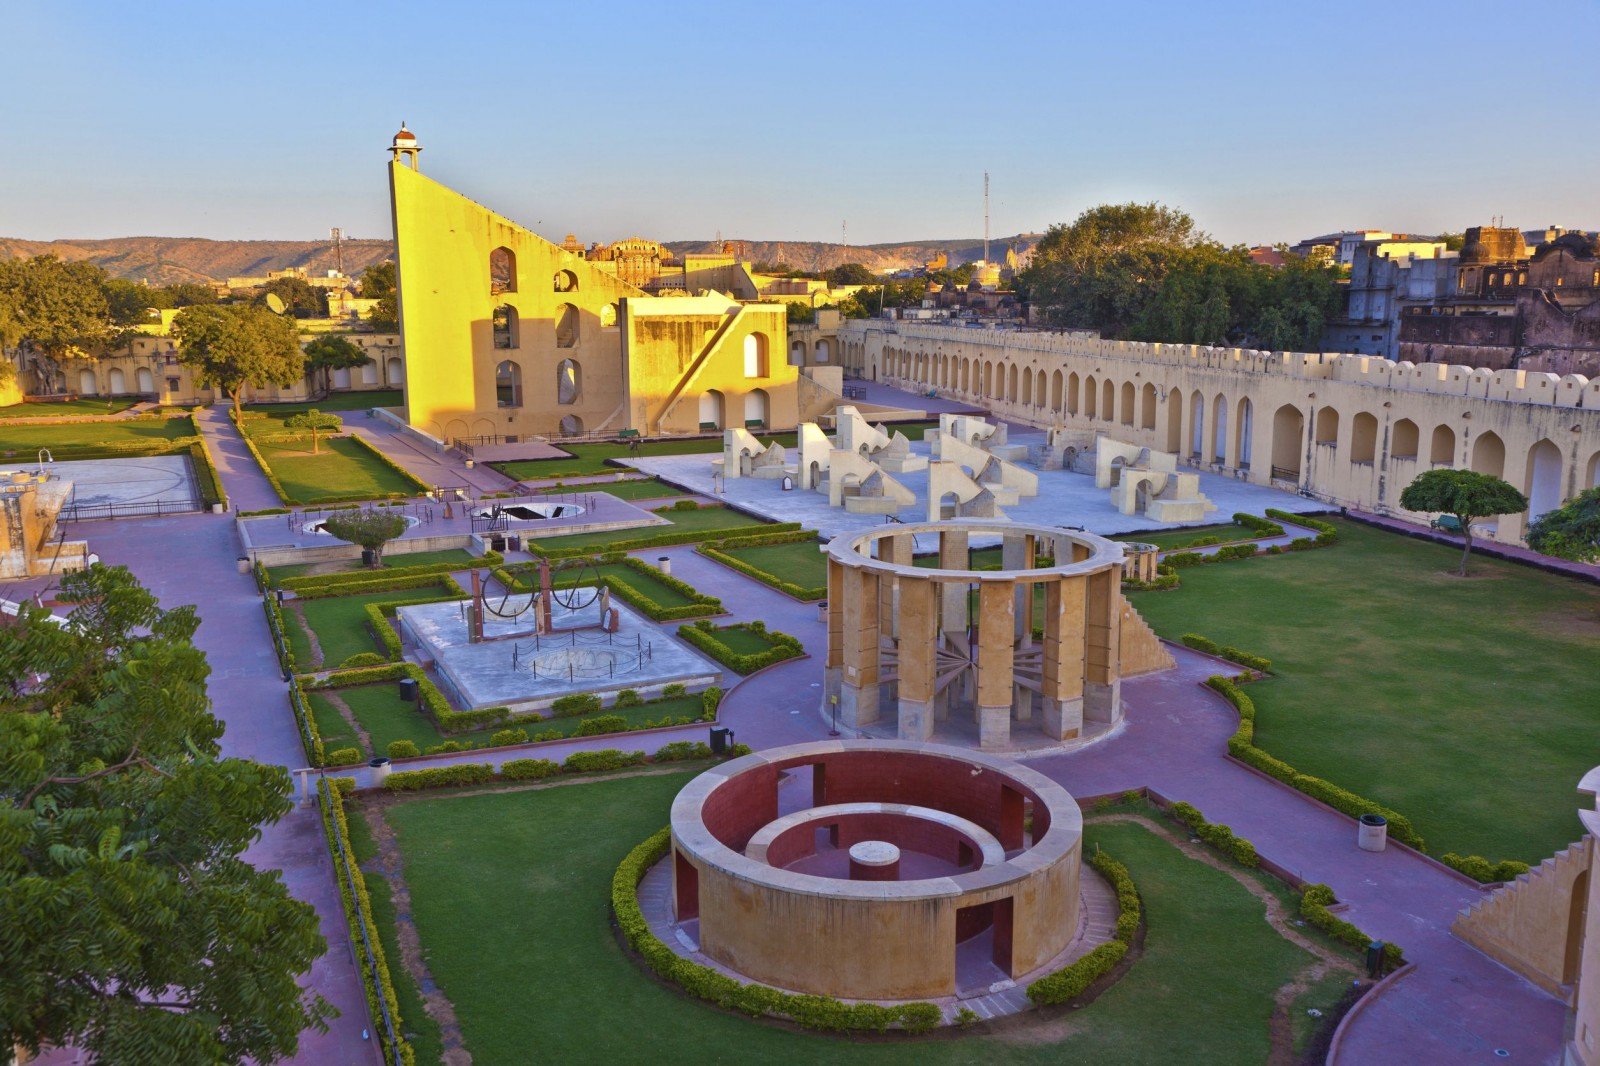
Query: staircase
point(1525, 923)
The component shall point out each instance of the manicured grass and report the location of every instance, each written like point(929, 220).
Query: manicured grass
point(335, 731)
point(800, 562)
point(681, 707)
point(638, 489)
point(1183, 538)
point(1204, 984)
point(84, 405)
point(386, 717)
point(340, 623)
point(155, 432)
point(1471, 706)
point(743, 640)
point(592, 458)
point(391, 561)
point(342, 469)
point(703, 520)
point(269, 417)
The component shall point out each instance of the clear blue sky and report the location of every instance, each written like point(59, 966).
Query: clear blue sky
point(1266, 121)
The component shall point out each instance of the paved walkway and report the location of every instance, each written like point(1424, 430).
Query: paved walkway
point(242, 478)
point(447, 470)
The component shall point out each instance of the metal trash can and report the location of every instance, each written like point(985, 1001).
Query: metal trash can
point(822, 610)
point(1375, 952)
point(380, 770)
point(1374, 833)
point(664, 564)
point(408, 689)
point(721, 740)
point(368, 557)
point(244, 564)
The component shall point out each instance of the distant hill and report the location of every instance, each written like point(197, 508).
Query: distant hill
point(169, 260)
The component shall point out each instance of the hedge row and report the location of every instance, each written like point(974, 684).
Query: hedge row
point(306, 722)
point(1072, 981)
point(715, 550)
point(307, 585)
point(1327, 532)
point(356, 587)
point(659, 540)
point(703, 635)
point(1314, 902)
point(1227, 651)
point(812, 1012)
point(1260, 526)
point(699, 605)
point(1217, 836)
point(422, 487)
point(579, 762)
point(206, 479)
point(1481, 869)
point(1242, 747)
point(379, 985)
point(384, 632)
point(261, 460)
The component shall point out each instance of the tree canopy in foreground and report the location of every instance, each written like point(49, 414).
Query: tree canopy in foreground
point(130, 926)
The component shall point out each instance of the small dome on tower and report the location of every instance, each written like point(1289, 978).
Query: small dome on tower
point(404, 134)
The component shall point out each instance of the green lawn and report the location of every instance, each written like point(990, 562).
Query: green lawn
point(1183, 538)
point(1204, 984)
point(340, 623)
point(155, 432)
point(1472, 706)
point(331, 726)
point(638, 489)
point(392, 560)
point(592, 458)
point(269, 417)
point(703, 520)
point(743, 640)
point(800, 562)
point(648, 712)
point(342, 469)
point(85, 405)
point(649, 584)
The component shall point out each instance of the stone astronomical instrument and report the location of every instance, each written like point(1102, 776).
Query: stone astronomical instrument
point(905, 852)
point(952, 644)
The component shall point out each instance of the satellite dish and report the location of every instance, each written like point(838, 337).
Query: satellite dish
point(275, 303)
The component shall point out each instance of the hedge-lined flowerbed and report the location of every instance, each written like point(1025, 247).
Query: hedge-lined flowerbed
point(206, 479)
point(379, 986)
point(665, 539)
point(422, 487)
point(716, 550)
point(1327, 532)
point(810, 1011)
point(308, 585)
point(579, 762)
point(1073, 980)
point(381, 582)
point(703, 635)
point(1227, 651)
point(1315, 899)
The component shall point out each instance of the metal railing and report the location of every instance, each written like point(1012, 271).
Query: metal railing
point(79, 512)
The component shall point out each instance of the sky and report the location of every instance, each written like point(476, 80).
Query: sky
point(1266, 121)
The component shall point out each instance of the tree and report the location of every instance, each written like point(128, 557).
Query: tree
point(801, 314)
point(849, 274)
point(54, 312)
point(130, 924)
point(370, 527)
point(317, 422)
point(377, 283)
point(235, 346)
point(300, 298)
point(1571, 531)
point(130, 302)
point(1465, 495)
point(331, 352)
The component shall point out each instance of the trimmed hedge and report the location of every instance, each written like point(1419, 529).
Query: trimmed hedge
point(378, 581)
point(812, 1012)
point(715, 550)
point(1166, 578)
point(379, 985)
point(584, 762)
point(1260, 526)
point(403, 749)
point(1327, 532)
point(422, 487)
point(704, 637)
point(1481, 869)
point(306, 722)
point(1226, 651)
point(699, 606)
point(1217, 836)
point(1315, 899)
point(1073, 980)
point(306, 583)
point(1242, 747)
point(529, 769)
point(660, 540)
point(206, 479)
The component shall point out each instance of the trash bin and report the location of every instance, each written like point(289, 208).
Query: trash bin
point(380, 770)
point(664, 563)
point(408, 689)
point(244, 564)
point(1375, 959)
point(721, 740)
point(1374, 834)
point(368, 557)
point(514, 541)
point(822, 610)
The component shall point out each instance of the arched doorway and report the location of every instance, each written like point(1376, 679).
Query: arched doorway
point(1072, 393)
point(824, 352)
point(1364, 438)
point(1327, 426)
point(396, 370)
point(1197, 426)
point(1129, 397)
point(1403, 440)
point(1489, 454)
point(1091, 396)
point(1244, 440)
point(1175, 421)
point(1147, 406)
point(1543, 479)
point(117, 381)
point(145, 380)
point(1108, 400)
point(87, 384)
point(1442, 448)
point(1577, 917)
point(755, 409)
point(711, 409)
point(507, 384)
point(1219, 429)
point(1288, 435)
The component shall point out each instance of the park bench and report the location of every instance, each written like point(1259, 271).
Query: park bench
point(1446, 523)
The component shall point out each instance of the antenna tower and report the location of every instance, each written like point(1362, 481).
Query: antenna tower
point(338, 249)
point(985, 216)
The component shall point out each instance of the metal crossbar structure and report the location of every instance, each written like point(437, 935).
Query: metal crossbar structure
point(81, 512)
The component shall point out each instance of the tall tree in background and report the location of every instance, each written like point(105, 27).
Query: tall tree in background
point(377, 283)
point(130, 926)
point(300, 298)
point(233, 347)
point(53, 313)
point(331, 352)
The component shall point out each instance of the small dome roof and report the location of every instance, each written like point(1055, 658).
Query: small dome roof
point(404, 134)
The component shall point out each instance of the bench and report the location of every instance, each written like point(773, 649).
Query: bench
point(1446, 523)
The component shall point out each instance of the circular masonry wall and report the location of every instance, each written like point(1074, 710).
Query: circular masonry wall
point(970, 853)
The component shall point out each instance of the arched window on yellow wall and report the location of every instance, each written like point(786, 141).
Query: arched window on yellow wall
point(505, 326)
point(566, 281)
point(608, 316)
point(508, 384)
point(566, 326)
point(569, 381)
point(755, 355)
point(502, 271)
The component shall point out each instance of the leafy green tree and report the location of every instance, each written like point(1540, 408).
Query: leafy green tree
point(849, 274)
point(369, 527)
point(801, 314)
point(52, 313)
point(331, 352)
point(377, 282)
point(300, 298)
point(130, 925)
point(1571, 531)
point(317, 422)
point(188, 294)
point(235, 346)
point(1464, 494)
point(130, 302)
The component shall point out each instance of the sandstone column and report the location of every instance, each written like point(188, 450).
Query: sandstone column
point(1063, 671)
point(996, 623)
point(895, 549)
point(833, 667)
point(919, 633)
point(1102, 691)
point(858, 692)
point(953, 594)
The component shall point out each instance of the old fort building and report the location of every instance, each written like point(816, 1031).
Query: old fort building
point(1351, 430)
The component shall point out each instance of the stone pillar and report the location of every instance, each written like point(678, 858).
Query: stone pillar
point(952, 594)
point(874, 860)
point(1017, 553)
point(895, 549)
point(1063, 667)
point(833, 666)
point(996, 622)
point(1102, 690)
point(858, 689)
point(919, 634)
